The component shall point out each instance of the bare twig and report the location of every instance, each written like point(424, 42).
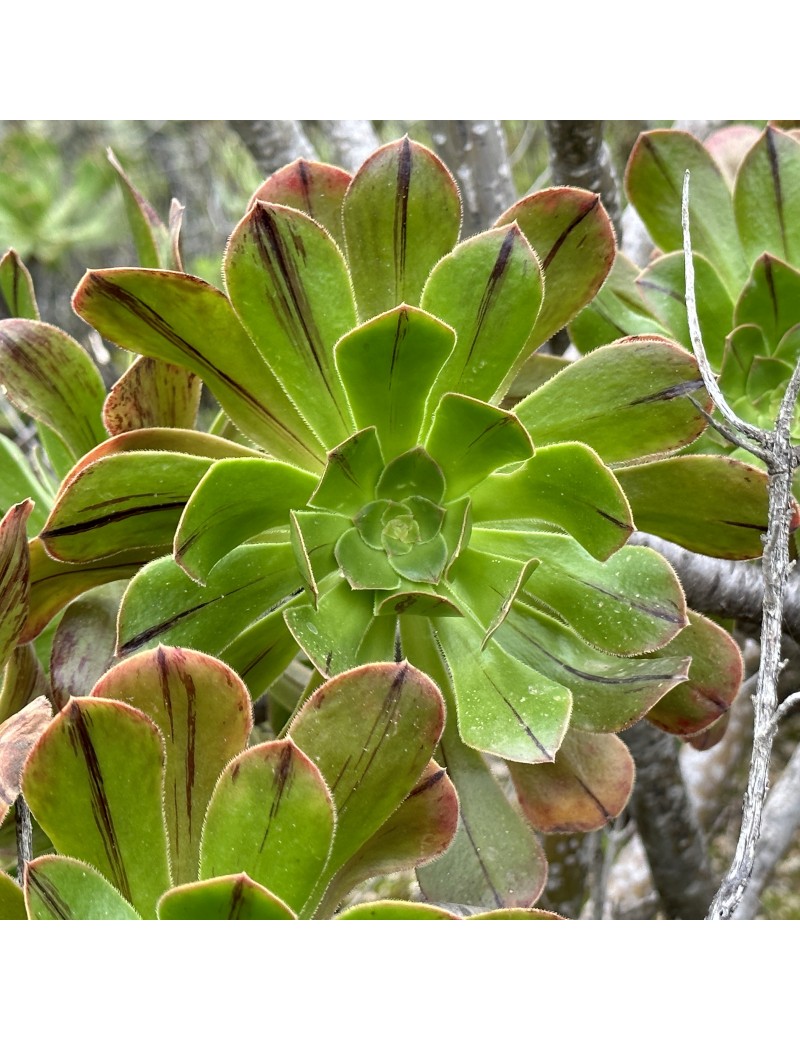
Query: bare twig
point(24, 829)
point(777, 451)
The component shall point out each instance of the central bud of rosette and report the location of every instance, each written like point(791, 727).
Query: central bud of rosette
point(405, 535)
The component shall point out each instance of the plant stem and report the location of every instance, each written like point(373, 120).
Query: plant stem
point(24, 829)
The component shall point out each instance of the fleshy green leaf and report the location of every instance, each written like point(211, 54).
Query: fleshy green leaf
point(271, 816)
point(184, 320)
point(314, 537)
point(395, 910)
point(12, 901)
point(495, 859)
point(314, 188)
point(388, 366)
point(84, 643)
point(59, 888)
point(332, 634)
point(106, 808)
point(363, 566)
point(233, 898)
point(663, 285)
point(487, 586)
point(202, 709)
point(574, 239)
point(371, 732)
point(420, 830)
point(742, 346)
point(49, 376)
point(17, 737)
point(470, 439)
point(55, 584)
point(23, 681)
point(617, 310)
point(14, 576)
point(654, 183)
point(504, 707)
point(489, 289)
point(608, 693)
point(630, 604)
point(351, 474)
point(766, 199)
point(16, 287)
point(563, 484)
point(402, 213)
point(288, 284)
point(628, 401)
point(413, 473)
point(262, 652)
point(130, 500)
point(162, 604)
point(770, 299)
point(152, 393)
point(728, 511)
point(235, 500)
point(714, 679)
point(587, 786)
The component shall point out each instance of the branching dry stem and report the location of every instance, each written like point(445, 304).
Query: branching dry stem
point(777, 451)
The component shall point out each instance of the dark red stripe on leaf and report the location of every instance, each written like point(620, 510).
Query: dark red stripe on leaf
point(492, 286)
point(568, 231)
point(404, 167)
point(49, 895)
point(81, 740)
point(669, 393)
point(283, 776)
point(775, 170)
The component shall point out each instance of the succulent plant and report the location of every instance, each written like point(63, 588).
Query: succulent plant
point(395, 474)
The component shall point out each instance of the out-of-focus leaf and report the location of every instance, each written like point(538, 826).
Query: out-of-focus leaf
point(261, 652)
point(106, 808)
point(628, 401)
point(152, 393)
point(59, 888)
point(371, 731)
point(388, 366)
point(14, 576)
point(587, 786)
point(516, 914)
point(184, 320)
point(150, 236)
point(313, 187)
point(233, 898)
point(663, 285)
point(608, 693)
point(202, 709)
point(18, 481)
point(766, 199)
point(563, 484)
point(271, 817)
point(402, 213)
point(710, 504)
point(50, 377)
point(162, 604)
point(17, 737)
point(235, 500)
point(535, 371)
point(574, 239)
point(16, 287)
point(654, 183)
point(84, 643)
point(489, 290)
point(714, 679)
point(288, 284)
point(23, 681)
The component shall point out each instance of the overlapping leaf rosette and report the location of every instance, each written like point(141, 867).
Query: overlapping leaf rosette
point(744, 212)
point(374, 500)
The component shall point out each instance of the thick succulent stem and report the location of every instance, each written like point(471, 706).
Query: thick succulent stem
point(580, 157)
point(24, 829)
point(675, 845)
point(274, 142)
point(476, 153)
point(352, 140)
